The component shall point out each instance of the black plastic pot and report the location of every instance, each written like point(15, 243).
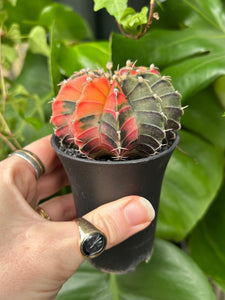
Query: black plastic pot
point(95, 183)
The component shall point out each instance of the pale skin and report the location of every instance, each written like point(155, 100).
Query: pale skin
point(36, 255)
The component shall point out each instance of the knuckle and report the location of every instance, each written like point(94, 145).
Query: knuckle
point(107, 224)
point(6, 174)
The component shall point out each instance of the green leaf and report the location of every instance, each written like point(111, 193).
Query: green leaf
point(210, 11)
point(13, 2)
point(197, 73)
point(34, 122)
point(169, 275)
point(192, 180)
point(195, 57)
point(31, 134)
point(204, 109)
point(69, 26)
point(208, 238)
point(132, 21)
point(14, 33)
point(38, 41)
point(34, 76)
point(87, 55)
point(55, 73)
point(3, 16)
point(9, 55)
point(219, 87)
point(25, 13)
point(115, 8)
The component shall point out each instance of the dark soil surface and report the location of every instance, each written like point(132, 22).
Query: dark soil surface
point(74, 152)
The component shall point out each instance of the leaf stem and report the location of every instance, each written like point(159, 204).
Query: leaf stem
point(123, 32)
point(4, 94)
point(150, 16)
point(9, 132)
point(114, 287)
point(2, 113)
point(7, 141)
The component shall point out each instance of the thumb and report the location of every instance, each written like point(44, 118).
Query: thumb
point(118, 220)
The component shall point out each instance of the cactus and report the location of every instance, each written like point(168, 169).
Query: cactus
point(130, 113)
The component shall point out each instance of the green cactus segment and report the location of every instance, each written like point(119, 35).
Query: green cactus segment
point(171, 104)
point(147, 110)
point(156, 106)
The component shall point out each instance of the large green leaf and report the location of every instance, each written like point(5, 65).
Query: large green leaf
point(210, 11)
point(192, 180)
point(194, 56)
point(203, 110)
point(207, 241)
point(171, 274)
point(68, 24)
point(219, 87)
point(55, 73)
point(34, 76)
point(87, 55)
point(25, 13)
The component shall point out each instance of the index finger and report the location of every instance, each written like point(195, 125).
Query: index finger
point(43, 149)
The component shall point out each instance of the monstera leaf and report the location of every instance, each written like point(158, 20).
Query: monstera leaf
point(208, 237)
point(170, 275)
point(192, 56)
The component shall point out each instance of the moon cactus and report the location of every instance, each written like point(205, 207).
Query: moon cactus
point(130, 113)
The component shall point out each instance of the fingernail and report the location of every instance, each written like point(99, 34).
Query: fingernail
point(139, 211)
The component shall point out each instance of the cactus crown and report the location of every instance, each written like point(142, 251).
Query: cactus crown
point(129, 113)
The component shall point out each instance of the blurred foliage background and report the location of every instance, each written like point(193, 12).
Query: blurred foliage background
point(43, 42)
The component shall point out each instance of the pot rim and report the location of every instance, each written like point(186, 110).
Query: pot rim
point(116, 162)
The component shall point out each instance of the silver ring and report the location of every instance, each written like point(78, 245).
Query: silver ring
point(92, 241)
point(32, 159)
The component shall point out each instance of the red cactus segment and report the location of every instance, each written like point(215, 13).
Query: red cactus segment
point(129, 133)
point(71, 89)
point(90, 106)
point(95, 119)
point(62, 125)
point(63, 107)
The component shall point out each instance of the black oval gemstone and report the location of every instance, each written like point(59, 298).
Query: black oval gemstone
point(94, 244)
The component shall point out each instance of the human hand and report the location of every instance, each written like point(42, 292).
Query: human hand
point(36, 255)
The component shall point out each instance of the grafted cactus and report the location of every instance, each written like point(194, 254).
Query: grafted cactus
point(130, 113)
